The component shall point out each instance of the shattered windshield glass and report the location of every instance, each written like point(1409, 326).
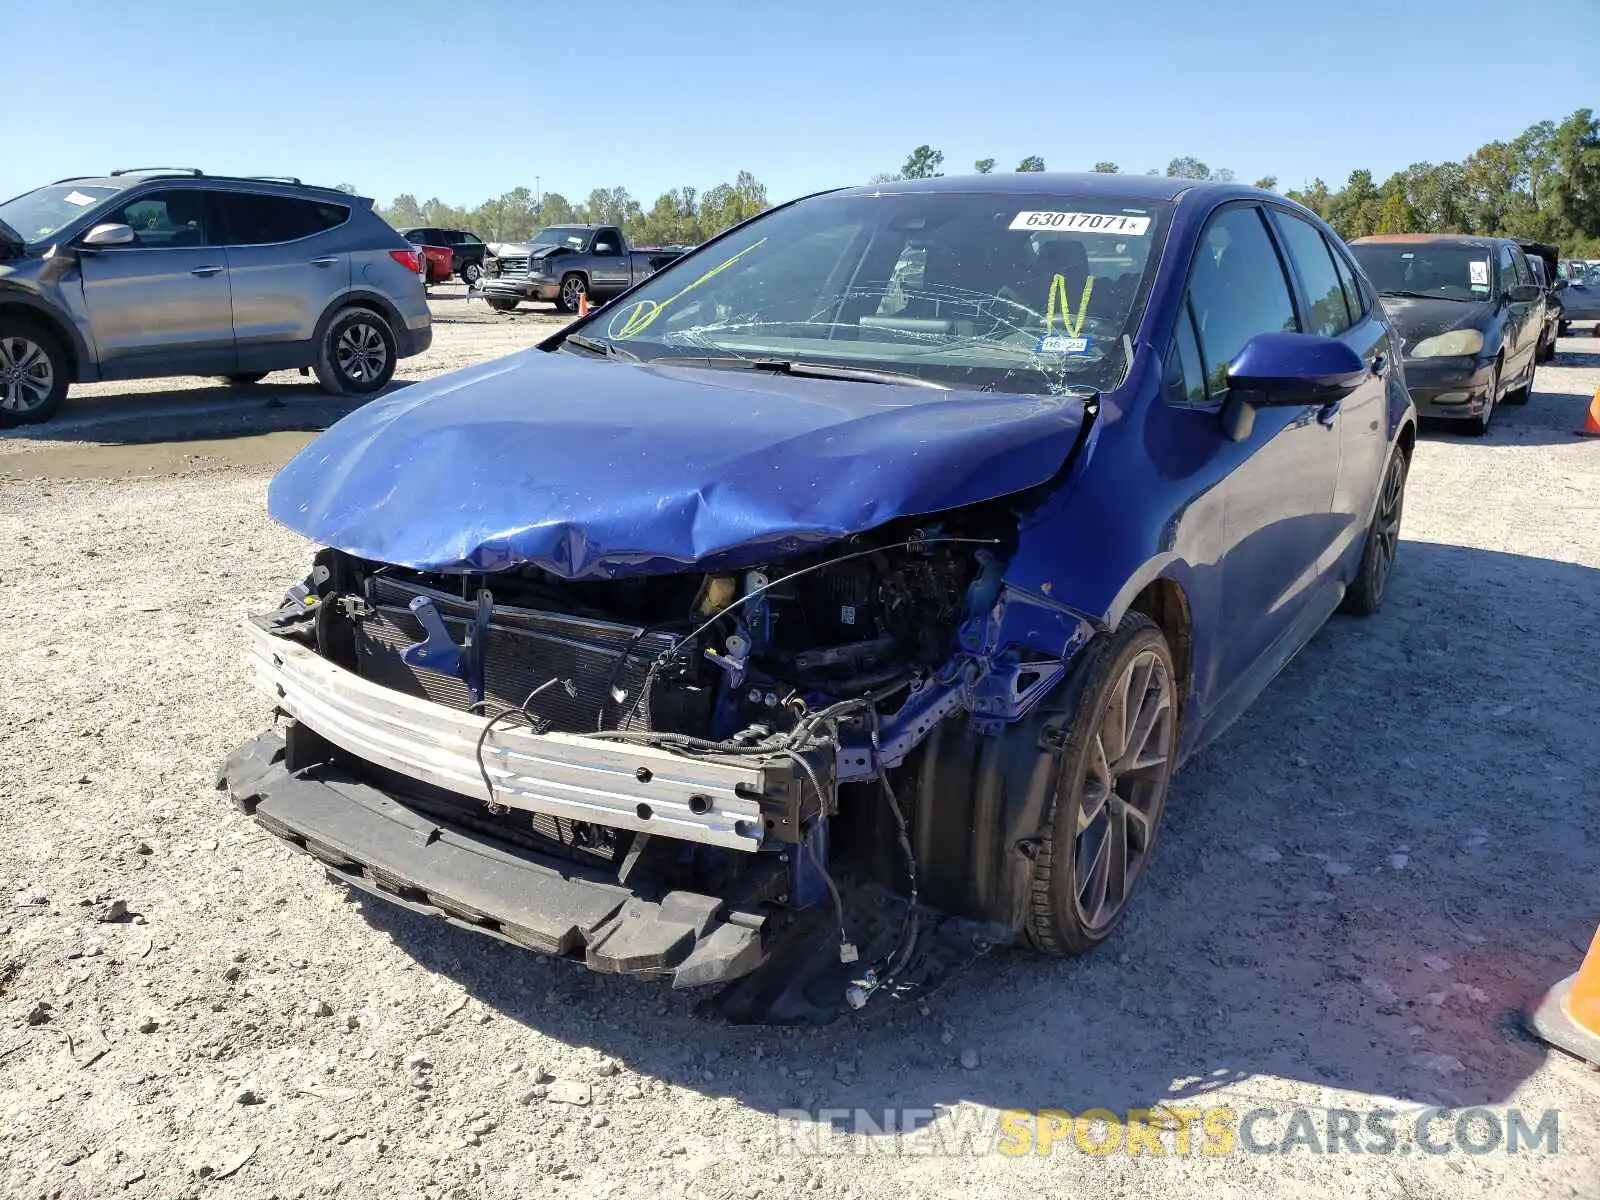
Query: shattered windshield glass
point(1017, 293)
point(38, 214)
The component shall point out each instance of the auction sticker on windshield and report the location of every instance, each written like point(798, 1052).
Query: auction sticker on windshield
point(1083, 222)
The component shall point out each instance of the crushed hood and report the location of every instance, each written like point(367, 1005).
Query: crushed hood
point(1417, 319)
point(597, 468)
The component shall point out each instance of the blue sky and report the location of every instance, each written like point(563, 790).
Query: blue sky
point(464, 101)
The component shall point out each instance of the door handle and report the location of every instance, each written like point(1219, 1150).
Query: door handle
point(1326, 413)
point(206, 272)
point(327, 260)
point(1380, 366)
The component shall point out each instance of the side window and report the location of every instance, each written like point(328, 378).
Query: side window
point(1237, 289)
point(1329, 314)
point(1353, 299)
point(259, 220)
point(1185, 375)
point(1508, 269)
point(467, 239)
point(168, 220)
point(606, 243)
point(1520, 261)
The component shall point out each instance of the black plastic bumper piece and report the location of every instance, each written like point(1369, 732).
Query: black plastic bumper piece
point(369, 840)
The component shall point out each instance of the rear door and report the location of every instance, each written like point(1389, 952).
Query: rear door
point(1331, 305)
point(1522, 316)
point(161, 305)
point(288, 261)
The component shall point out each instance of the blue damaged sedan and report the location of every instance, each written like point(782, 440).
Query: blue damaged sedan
point(844, 593)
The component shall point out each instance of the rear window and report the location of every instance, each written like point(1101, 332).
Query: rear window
point(253, 219)
point(1429, 270)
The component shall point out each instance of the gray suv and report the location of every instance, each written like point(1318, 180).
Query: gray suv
point(150, 273)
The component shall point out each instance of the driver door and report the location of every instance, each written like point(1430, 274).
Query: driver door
point(609, 273)
point(1277, 484)
point(162, 305)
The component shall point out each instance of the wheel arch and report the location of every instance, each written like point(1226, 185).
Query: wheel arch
point(1161, 590)
point(37, 313)
point(360, 299)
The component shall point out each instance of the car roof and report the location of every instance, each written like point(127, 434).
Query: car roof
point(1084, 183)
point(1415, 239)
point(132, 179)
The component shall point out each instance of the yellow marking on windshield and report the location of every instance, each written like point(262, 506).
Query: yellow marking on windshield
point(640, 316)
point(1071, 325)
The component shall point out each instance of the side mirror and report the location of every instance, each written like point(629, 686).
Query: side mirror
point(109, 235)
point(1285, 370)
point(1560, 285)
point(1522, 293)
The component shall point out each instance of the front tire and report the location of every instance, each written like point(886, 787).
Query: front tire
point(573, 290)
point(500, 304)
point(1365, 594)
point(356, 356)
point(1111, 766)
point(34, 372)
point(1479, 425)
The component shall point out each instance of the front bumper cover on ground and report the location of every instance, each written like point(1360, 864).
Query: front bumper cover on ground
point(371, 841)
point(725, 802)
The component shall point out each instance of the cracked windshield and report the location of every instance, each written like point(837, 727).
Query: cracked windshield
point(1001, 292)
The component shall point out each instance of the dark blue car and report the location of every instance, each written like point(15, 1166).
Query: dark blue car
point(901, 540)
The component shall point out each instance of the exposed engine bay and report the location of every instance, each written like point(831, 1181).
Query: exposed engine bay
point(723, 742)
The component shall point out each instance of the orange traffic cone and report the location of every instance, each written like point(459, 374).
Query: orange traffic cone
point(583, 311)
point(1568, 1015)
point(1591, 419)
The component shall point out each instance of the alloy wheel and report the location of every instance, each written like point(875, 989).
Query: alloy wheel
point(361, 353)
point(572, 293)
point(1124, 788)
point(1386, 525)
point(27, 377)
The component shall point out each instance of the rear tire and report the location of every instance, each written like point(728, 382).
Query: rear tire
point(1365, 594)
point(34, 372)
point(1110, 765)
point(245, 379)
point(356, 356)
point(471, 273)
point(502, 305)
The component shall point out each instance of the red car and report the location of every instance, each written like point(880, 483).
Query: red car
point(441, 262)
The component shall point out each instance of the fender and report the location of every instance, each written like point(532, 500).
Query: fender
point(85, 369)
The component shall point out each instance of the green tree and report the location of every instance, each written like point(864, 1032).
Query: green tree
point(1354, 211)
point(556, 209)
point(923, 163)
point(1188, 167)
point(1268, 183)
point(1032, 163)
point(1574, 190)
point(1106, 168)
point(983, 166)
point(1395, 213)
point(1314, 196)
point(404, 212)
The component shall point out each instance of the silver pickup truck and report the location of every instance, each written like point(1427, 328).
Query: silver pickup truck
point(565, 263)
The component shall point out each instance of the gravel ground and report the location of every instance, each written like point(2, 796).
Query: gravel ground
point(1358, 887)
